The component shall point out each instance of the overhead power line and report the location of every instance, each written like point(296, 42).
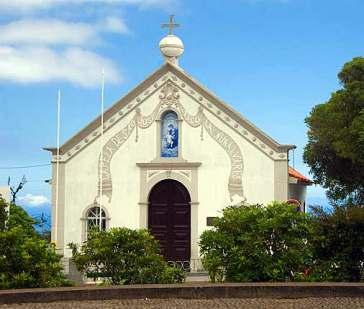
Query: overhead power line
point(22, 167)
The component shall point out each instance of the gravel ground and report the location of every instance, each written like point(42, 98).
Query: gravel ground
point(251, 303)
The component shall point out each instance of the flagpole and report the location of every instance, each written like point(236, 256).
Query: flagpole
point(57, 163)
point(102, 144)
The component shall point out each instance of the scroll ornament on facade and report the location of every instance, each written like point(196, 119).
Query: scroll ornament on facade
point(169, 98)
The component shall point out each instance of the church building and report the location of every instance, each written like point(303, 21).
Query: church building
point(169, 157)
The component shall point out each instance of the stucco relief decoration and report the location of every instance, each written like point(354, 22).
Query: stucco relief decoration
point(153, 173)
point(108, 151)
point(228, 144)
point(235, 185)
point(169, 95)
point(169, 98)
point(186, 174)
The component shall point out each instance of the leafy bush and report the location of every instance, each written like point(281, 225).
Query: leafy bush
point(339, 245)
point(26, 261)
point(124, 256)
point(256, 243)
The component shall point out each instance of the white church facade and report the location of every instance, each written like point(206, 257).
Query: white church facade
point(171, 157)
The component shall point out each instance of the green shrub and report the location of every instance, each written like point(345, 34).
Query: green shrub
point(256, 243)
point(124, 256)
point(26, 261)
point(339, 245)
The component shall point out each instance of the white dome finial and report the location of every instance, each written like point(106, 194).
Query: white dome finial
point(171, 45)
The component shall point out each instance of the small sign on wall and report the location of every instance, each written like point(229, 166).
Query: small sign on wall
point(210, 221)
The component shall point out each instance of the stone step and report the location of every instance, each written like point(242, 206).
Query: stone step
point(197, 277)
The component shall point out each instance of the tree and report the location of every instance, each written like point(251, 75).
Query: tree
point(336, 138)
point(339, 244)
point(19, 218)
point(14, 191)
point(257, 243)
point(124, 256)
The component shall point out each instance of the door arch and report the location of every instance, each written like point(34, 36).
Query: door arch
point(169, 219)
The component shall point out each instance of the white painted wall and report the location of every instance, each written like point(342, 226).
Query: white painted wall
point(81, 172)
point(298, 192)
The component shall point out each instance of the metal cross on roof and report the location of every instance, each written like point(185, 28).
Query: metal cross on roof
point(171, 25)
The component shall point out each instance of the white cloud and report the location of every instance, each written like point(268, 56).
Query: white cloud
point(54, 31)
point(37, 49)
point(33, 200)
point(46, 31)
point(24, 6)
point(42, 64)
point(114, 24)
point(26, 56)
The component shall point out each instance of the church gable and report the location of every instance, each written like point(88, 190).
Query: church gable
point(163, 80)
point(169, 109)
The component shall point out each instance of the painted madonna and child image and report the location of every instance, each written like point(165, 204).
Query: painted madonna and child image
point(169, 136)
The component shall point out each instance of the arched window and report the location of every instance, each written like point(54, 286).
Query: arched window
point(169, 135)
point(93, 219)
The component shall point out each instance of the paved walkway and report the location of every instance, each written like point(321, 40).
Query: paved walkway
point(251, 303)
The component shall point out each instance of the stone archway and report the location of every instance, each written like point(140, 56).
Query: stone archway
point(169, 219)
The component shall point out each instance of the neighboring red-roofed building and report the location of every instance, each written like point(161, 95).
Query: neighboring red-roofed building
point(298, 187)
point(297, 175)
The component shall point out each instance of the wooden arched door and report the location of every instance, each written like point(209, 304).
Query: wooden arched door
point(169, 219)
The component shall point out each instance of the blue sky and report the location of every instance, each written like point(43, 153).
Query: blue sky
point(272, 60)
